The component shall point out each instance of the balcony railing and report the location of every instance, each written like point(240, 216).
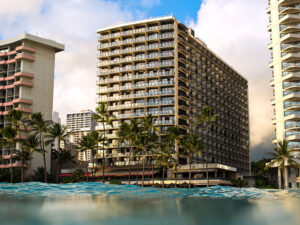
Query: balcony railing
point(129, 59)
point(139, 48)
point(166, 26)
point(285, 46)
point(145, 66)
point(162, 83)
point(162, 112)
point(169, 102)
point(291, 104)
point(282, 8)
point(138, 76)
point(289, 65)
point(140, 95)
point(291, 84)
point(139, 39)
point(291, 126)
point(284, 27)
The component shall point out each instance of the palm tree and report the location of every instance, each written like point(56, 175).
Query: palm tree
point(282, 156)
point(96, 138)
point(87, 143)
point(32, 143)
point(9, 134)
point(205, 118)
point(165, 158)
point(102, 116)
point(66, 157)
point(173, 135)
point(150, 139)
point(58, 133)
point(129, 132)
point(192, 145)
point(40, 127)
point(24, 156)
point(17, 121)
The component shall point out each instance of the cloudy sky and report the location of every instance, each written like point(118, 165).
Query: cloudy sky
point(234, 29)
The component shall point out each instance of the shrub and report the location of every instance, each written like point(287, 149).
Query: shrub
point(77, 176)
point(115, 182)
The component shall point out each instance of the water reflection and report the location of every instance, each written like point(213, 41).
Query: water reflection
point(147, 206)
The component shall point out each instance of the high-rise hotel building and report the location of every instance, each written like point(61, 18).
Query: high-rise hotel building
point(285, 46)
point(158, 66)
point(78, 125)
point(26, 83)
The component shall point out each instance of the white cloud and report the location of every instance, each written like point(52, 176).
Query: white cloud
point(237, 31)
point(150, 3)
point(73, 23)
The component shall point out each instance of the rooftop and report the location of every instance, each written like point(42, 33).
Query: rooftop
point(25, 36)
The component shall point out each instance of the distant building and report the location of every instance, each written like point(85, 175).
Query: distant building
point(55, 117)
point(78, 125)
point(27, 80)
point(157, 66)
point(285, 47)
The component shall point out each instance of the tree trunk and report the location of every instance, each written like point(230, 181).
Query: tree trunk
point(163, 178)
point(58, 166)
point(22, 172)
point(103, 156)
point(11, 165)
point(143, 169)
point(129, 168)
point(137, 171)
point(190, 172)
point(279, 177)
point(30, 174)
point(286, 177)
point(44, 156)
point(152, 165)
point(206, 158)
point(87, 168)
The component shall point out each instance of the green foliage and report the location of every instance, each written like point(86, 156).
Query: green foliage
point(264, 177)
point(239, 183)
point(38, 175)
point(77, 176)
point(115, 182)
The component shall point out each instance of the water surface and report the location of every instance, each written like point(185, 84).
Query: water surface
point(97, 203)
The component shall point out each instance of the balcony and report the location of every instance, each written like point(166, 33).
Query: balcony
point(290, 47)
point(135, 40)
point(289, 28)
point(141, 30)
point(290, 18)
point(289, 86)
point(292, 96)
point(292, 117)
point(130, 68)
point(153, 113)
point(23, 83)
point(290, 67)
point(131, 96)
point(25, 48)
point(135, 77)
point(139, 48)
point(293, 126)
point(291, 76)
point(130, 59)
point(25, 57)
point(24, 74)
point(292, 106)
point(289, 10)
point(287, 2)
point(135, 86)
point(288, 38)
point(138, 105)
point(291, 57)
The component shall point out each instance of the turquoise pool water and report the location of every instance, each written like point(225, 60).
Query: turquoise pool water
point(97, 203)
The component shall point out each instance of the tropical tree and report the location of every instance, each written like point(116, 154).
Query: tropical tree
point(8, 138)
point(102, 116)
point(32, 144)
point(282, 157)
point(66, 157)
point(58, 133)
point(17, 120)
point(40, 127)
point(129, 132)
point(87, 143)
point(206, 118)
point(192, 145)
point(165, 158)
point(96, 138)
point(173, 136)
point(23, 155)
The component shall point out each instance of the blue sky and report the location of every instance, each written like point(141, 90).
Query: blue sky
point(184, 10)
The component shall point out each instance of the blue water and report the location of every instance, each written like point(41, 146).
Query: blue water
point(97, 203)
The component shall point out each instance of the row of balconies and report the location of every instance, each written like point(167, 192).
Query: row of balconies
point(145, 104)
point(138, 95)
point(135, 40)
point(19, 56)
point(154, 113)
point(138, 67)
point(137, 76)
point(135, 31)
point(136, 58)
point(135, 49)
point(135, 86)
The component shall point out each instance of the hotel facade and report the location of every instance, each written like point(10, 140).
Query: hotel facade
point(27, 81)
point(157, 66)
point(285, 46)
point(78, 125)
